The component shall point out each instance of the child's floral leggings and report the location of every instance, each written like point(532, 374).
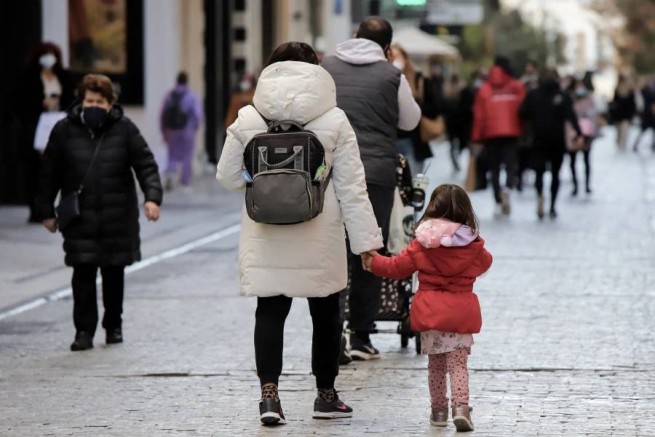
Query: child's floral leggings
point(453, 363)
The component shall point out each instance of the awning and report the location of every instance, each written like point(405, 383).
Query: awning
point(418, 43)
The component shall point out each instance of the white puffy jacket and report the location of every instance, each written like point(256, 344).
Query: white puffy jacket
point(307, 259)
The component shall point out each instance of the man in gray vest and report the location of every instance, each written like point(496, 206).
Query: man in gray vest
point(378, 100)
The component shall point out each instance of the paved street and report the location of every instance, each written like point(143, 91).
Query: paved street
point(566, 346)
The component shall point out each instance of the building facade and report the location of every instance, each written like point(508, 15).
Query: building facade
point(215, 41)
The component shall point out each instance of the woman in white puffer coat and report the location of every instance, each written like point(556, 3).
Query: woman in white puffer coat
point(308, 259)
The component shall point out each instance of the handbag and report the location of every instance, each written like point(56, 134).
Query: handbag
point(470, 181)
point(431, 129)
point(68, 209)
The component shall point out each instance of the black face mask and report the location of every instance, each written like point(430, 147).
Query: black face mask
point(94, 117)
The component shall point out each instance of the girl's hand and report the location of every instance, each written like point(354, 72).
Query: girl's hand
point(367, 259)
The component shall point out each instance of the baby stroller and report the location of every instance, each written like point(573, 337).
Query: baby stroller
point(396, 295)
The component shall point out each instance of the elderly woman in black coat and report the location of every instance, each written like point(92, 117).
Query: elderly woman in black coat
point(93, 152)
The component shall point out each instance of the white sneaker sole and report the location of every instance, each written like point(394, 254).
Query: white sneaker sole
point(331, 415)
point(363, 356)
point(271, 418)
point(462, 423)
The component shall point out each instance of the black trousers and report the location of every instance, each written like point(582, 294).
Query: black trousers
point(544, 155)
point(501, 152)
point(85, 303)
point(364, 298)
point(326, 340)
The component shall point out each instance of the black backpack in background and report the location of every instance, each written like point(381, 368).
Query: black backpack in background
point(174, 117)
point(287, 174)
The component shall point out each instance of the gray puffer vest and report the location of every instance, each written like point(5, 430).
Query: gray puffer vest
point(368, 94)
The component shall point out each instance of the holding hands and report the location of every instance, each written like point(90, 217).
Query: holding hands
point(367, 259)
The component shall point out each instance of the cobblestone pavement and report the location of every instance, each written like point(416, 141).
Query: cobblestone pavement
point(566, 347)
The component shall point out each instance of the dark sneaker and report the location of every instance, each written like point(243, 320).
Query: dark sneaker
point(335, 409)
point(362, 351)
point(83, 341)
point(270, 412)
point(114, 336)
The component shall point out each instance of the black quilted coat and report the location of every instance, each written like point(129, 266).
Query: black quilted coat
point(107, 232)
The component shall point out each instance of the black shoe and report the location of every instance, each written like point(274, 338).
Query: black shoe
point(83, 341)
point(270, 412)
point(362, 351)
point(335, 409)
point(575, 191)
point(114, 336)
point(588, 190)
point(553, 214)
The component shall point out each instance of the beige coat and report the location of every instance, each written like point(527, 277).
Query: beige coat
point(307, 259)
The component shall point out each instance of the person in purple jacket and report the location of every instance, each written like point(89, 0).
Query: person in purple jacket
point(180, 119)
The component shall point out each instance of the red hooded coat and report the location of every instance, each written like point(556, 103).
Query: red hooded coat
point(496, 108)
point(445, 300)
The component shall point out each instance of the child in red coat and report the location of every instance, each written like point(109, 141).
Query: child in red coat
point(449, 255)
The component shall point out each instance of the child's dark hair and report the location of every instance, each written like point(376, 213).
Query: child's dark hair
point(451, 202)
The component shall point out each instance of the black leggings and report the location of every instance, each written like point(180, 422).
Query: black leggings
point(326, 340)
point(587, 168)
point(543, 156)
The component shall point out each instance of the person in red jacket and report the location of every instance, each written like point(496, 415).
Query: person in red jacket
point(449, 255)
point(496, 124)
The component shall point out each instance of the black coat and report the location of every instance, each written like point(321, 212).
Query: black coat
point(547, 109)
point(107, 232)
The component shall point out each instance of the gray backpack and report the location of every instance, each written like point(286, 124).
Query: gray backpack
point(286, 174)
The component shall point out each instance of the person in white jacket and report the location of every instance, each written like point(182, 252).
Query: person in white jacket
point(308, 259)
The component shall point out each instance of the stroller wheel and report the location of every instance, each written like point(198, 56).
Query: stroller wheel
point(404, 340)
point(418, 343)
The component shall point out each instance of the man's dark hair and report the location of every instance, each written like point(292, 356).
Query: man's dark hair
point(182, 78)
point(293, 51)
point(377, 30)
point(505, 64)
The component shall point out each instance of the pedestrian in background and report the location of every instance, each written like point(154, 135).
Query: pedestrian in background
point(587, 114)
point(241, 97)
point(378, 100)
point(456, 112)
point(547, 109)
point(410, 143)
point(180, 119)
point(496, 124)
point(91, 157)
point(448, 255)
point(530, 80)
point(622, 110)
point(647, 114)
point(308, 259)
point(44, 86)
